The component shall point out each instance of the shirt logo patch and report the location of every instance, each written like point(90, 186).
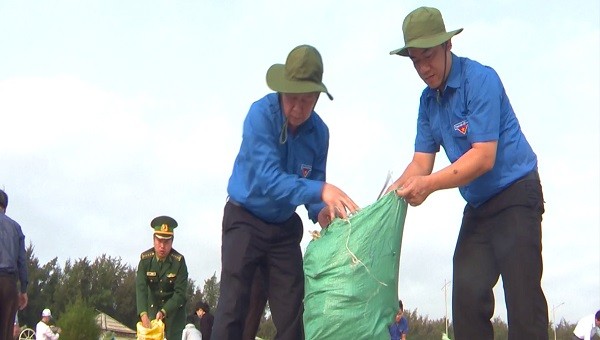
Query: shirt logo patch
point(462, 127)
point(305, 169)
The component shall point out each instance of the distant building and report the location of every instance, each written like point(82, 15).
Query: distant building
point(109, 326)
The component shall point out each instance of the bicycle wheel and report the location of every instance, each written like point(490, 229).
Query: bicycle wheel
point(27, 334)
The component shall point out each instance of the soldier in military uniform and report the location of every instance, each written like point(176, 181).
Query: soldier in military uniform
point(161, 281)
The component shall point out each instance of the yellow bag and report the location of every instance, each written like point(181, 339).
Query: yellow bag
point(155, 332)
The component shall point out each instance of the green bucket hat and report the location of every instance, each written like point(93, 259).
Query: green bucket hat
point(424, 28)
point(302, 72)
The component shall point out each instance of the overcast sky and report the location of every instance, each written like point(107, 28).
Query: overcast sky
point(114, 112)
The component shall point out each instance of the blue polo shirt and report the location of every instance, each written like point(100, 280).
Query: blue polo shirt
point(397, 329)
point(474, 108)
point(271, 179)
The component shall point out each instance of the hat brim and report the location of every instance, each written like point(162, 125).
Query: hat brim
point(277, 82)
point(426, 42)
point(163, 236)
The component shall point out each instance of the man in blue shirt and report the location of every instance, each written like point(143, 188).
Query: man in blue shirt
point(399, 328)
point(280, 165)
point(466, 110)
point(13, 269)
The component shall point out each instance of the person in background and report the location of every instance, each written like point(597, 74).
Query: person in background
point(204, 320)
point(466, 110)
point(43, 331)
point(399, 328)
point(280, 166)
point(588, 327)
point(190, 332)
point(13, 270)
point(161, 280)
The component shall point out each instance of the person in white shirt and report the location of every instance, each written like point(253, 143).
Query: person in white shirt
point(43, 330)
point(190, 332)
point(587, 327)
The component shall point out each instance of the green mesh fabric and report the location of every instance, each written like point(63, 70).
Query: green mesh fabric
point(351, 274)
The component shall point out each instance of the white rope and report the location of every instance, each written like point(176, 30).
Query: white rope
point(355, 259)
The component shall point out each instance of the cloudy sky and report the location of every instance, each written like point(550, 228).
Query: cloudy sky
point(114, 112)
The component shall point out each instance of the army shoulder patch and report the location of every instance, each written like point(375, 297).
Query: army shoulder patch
point(175, 255)
point(147, 254)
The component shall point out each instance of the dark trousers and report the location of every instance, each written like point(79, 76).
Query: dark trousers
point(9, 303)
point(258, 301)
point(247, 242)
point(501, 237)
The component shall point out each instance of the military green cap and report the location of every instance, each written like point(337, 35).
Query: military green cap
point(424, 28)
point(163, 226)
point(301, 73)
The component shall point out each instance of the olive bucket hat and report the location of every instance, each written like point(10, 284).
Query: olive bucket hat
point(301, 73)
point(424, 28)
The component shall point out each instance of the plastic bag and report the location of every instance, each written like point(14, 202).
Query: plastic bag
point(351, 274)
point(155, 332)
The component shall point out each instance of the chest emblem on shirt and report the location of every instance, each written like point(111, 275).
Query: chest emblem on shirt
point(462, 127)
point(305, 170)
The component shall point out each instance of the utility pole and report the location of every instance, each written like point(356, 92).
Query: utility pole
point(445, 289)
point(553, 319)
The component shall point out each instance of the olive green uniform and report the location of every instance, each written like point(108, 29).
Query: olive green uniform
point(162, 285)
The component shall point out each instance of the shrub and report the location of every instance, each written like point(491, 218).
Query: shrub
point(78, 322)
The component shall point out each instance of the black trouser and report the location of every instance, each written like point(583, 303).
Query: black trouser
point(9, 303)
point(247, 241)
point(501, 237)
point(258, 301)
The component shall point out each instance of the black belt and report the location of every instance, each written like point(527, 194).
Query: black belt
point(234, 202)
point(532, 175)
point(8, 274)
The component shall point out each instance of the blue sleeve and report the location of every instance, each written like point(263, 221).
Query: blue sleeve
point(314, 210)
point(484, 93)
point(261, 147)
point(319, 175)
point(22, 262)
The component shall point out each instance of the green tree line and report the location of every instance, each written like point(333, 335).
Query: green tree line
point(81, 288)
point(423, 328)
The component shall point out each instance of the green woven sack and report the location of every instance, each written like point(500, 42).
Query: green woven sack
point(351, 274)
